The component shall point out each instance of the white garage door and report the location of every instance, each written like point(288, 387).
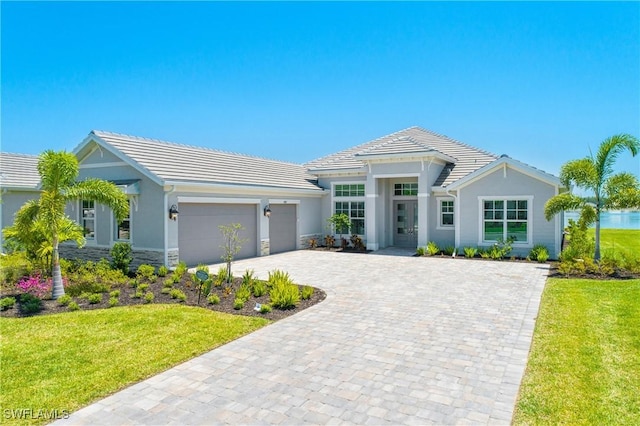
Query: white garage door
point(199, 238)
point(282, 228)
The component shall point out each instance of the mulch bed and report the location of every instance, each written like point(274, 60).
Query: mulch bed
point(226, 301)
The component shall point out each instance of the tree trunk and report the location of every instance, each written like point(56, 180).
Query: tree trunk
point(596, 255)
point(58, 288)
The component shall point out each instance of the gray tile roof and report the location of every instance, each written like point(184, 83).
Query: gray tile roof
point(19, 171)
point(172, 162)
point(412, 140)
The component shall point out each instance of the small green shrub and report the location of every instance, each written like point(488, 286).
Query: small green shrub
point(420, 251)
point(259, 288)
point(95, 298)
point(163, 271)
point(243, 293)
point(78, 286)
point(178, 294)
point(14, 266)
point(148, 297)
point(137, 295)
point(265, 309)
point(432, 248)
point(539, 253)
point(307, 292)
point(147, 272)
point(166, 290)
point(470, 252)
point(85, 295)
point(7, 303)
point(64, 300)
point(115, 293)
point(181, 269)
point(449, 250)
point(248, 277)
point(484, 253)
point(168, 283)
point(222, 276)
point(113, 301)
point(284, 295)
point(30, 304)
point(121, 257)
point(213, 299)
point(73, 306)
point(278, 275)
point(143, 287)
point(238, 304)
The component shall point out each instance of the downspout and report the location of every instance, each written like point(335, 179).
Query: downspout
point(166, 224)
point(456, 219)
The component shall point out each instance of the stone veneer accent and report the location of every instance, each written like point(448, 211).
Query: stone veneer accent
point(264, 248)
point(173, 258)
point(304, 240)
point(155, 258)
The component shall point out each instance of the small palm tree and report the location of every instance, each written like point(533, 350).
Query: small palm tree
point(595, 174)
point(46, 216)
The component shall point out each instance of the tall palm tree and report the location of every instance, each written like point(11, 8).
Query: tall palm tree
point(595, 174)
point(46, 215)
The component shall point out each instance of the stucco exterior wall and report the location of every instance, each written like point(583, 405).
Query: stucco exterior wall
point(508, 182)
point(11, 203)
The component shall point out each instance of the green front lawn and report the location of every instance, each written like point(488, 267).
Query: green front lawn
point(65, 361)
point(584, 366)
point(619, 240)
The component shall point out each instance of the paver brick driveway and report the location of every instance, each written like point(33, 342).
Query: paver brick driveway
point(399, 340)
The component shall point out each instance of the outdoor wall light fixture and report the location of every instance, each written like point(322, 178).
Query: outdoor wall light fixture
point(173, 212)
point(267, 211)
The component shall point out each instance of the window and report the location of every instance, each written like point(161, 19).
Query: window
point(503, 219)
point(406, 189)
point(351, 190)
point(446, 213)
point(88, 219)
point(354, 207)
point(123, 230)
point(355, 210)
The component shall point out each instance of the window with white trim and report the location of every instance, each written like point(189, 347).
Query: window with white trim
point(504, 219)
point(445, 215)
point(349, 199)
point(123, 229)
point(88, 219)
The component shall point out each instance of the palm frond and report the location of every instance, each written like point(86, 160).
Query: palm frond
point(562, 202)
point(102, 192)
point(26, 216)
point(609, 150)
point(57, 169)
point(581, 172)
point(622, 191)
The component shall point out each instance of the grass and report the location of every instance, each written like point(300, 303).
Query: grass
point(65, 361)
point(584, 366)
point(619, 240)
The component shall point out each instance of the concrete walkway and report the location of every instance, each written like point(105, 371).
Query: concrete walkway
point(399, 340)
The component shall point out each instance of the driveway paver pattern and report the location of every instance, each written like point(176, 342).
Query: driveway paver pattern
point(399, 340)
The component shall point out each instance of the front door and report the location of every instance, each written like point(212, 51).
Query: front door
point(405, 214)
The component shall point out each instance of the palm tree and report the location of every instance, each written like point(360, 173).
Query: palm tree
point(595, 174)
point(46, 216)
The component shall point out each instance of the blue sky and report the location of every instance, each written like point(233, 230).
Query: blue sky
point(542, 82)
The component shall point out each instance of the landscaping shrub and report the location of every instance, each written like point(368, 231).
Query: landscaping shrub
point(14, 266)
point(238, 304)
point(143, 287)
point(176, 277)
point(64, 300)
point(432, 248)
point(30, 304)
point(178, 294)
point(181, 269)
point(539, 253)
point(7, 303)
point(265, 309)
point(95, 298)
point(581, 244)
point(148, 297)
point(146, 271)
point(313, 243)
point(168, 283)
point(284, 294)
point(357, 242)
point(248, 277)
point(329, 240)
point(163, 271)
point(221, 277)
point(259, 288)
point(307, 292)
point(420, 251)
point(166, 290)
point(470, 252)
point(449, 250)
point(213, 299)
point(113, 301)
point(115, 293)
point(121, 257)
point(73, 306)
point(243, 293)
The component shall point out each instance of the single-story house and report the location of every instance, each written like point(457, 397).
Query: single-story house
point(404, 189)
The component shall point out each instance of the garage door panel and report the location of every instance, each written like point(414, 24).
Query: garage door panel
point(282, 228)
point(199, 236)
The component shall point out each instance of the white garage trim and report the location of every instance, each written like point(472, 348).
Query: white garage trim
point(215, 200)
point(281, 201)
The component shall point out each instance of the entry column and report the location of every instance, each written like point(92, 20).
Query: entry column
point(423, 209)
point(370, 226)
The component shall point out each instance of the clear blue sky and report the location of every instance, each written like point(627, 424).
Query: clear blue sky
point(541, 82)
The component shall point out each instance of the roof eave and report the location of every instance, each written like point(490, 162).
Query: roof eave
point(181, 183)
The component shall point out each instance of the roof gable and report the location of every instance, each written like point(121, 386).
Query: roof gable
point(19, 171)
point(463, 159)
point(172, 163)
